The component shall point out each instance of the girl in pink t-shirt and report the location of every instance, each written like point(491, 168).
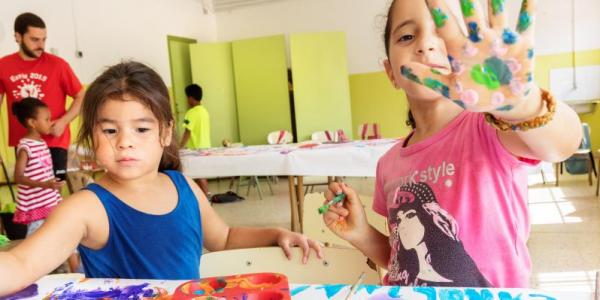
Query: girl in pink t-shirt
point(454, 190)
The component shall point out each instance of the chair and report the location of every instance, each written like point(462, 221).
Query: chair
point(583, 153)
point(325, 136)
point(363, 131)
point(280, 137)
point(339, 265)
point(314, 227)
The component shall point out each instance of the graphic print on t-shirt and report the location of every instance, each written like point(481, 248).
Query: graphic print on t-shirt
point(426, 250)
point(27, 86)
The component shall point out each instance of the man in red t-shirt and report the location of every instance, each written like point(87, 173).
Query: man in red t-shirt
point(31, 72)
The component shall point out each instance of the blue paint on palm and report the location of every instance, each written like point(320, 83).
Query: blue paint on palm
point(530, 53)
point(498, 68)
point(509, 37)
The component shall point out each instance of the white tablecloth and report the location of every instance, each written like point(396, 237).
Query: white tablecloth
point(69, 288)
point(358, 158)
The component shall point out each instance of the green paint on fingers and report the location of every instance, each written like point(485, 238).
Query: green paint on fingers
point(407, 72)
point(439, 17)
point(467, 7)
point(437, 86)
point(524, 22)
point(497, 6)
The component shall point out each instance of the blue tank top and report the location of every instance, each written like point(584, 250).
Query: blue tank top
point(146, 246)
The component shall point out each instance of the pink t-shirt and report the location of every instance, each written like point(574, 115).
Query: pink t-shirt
point(456, 205)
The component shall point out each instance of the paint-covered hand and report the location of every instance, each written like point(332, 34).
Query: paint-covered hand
point(287, 239)
point(492, 67)
point(346, 219)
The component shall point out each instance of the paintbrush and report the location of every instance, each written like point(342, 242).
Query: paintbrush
point(338, 198)
point(355, 286)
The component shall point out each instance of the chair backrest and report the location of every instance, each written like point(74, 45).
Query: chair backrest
point(339, 265)
point(325, 136)
point(280, 137)
point(365, 134)
point(314, 227)
point(586, 142)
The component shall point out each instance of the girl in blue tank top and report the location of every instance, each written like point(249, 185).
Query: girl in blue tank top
point(143, 218)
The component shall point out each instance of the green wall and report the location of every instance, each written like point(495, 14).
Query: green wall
point(181, 74)
point(321, 83)
point(261, 88)
point(212, 69)
point(375, 100)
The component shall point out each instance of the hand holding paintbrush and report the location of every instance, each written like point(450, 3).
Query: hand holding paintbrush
point(343, 213)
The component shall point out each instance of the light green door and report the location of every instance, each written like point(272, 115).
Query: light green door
point(261, 88)
point(321, 83)
point(212, 69)
point(181, 75)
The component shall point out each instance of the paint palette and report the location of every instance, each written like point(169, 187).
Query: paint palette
point(258, 286)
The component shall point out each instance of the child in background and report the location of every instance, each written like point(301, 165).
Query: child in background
point(454, 190)
point(196, 124)
point(37, 187)
point(143, 218)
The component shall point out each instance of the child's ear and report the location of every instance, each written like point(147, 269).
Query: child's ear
point(30, 122)
point(390, 72)
point(167, 135)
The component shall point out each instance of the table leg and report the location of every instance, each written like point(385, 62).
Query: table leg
point(300, 197)
point(293, 205)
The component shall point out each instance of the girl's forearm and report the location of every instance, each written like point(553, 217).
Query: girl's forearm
point(12, 274)
point(375, 245)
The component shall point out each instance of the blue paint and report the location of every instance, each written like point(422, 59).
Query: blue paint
point(530, 53)
point(542, 296)
point(332, 290)
point(394, 292)
point(299, 290)
point(473, 29)
point(529, 77)
point(483, 294)
point(451, 294)
point(460, 103)
point(199, 292)
point(128, 292)
point(428, 291)
point(506, 295)
point(505, 108)
point(500, 69)
point(509, 37)
point(28, 292)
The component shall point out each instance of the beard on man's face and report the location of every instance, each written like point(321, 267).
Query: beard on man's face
point(30, 53)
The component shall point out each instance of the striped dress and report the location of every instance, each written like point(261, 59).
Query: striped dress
point(35, 203)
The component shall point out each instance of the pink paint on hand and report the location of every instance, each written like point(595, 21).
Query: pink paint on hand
point(469, 50)
point(513, 65)
point(498, 49)
point(469, 97)
point(498, 98)
point(516, 87)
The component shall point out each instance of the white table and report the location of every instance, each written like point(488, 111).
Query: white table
point(69, 287)
point(357, 158)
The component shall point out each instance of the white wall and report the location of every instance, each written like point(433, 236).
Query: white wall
point(110, 30)
point(363, 22)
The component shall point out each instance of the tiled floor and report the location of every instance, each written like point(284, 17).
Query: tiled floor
point(565, 231)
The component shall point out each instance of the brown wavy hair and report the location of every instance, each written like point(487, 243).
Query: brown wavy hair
point(143, 84)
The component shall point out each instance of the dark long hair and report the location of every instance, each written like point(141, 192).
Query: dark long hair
point(145, 86)
point(446, 252)
point(387, 32)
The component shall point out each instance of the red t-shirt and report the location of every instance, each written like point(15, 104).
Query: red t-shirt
point(48, 78)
